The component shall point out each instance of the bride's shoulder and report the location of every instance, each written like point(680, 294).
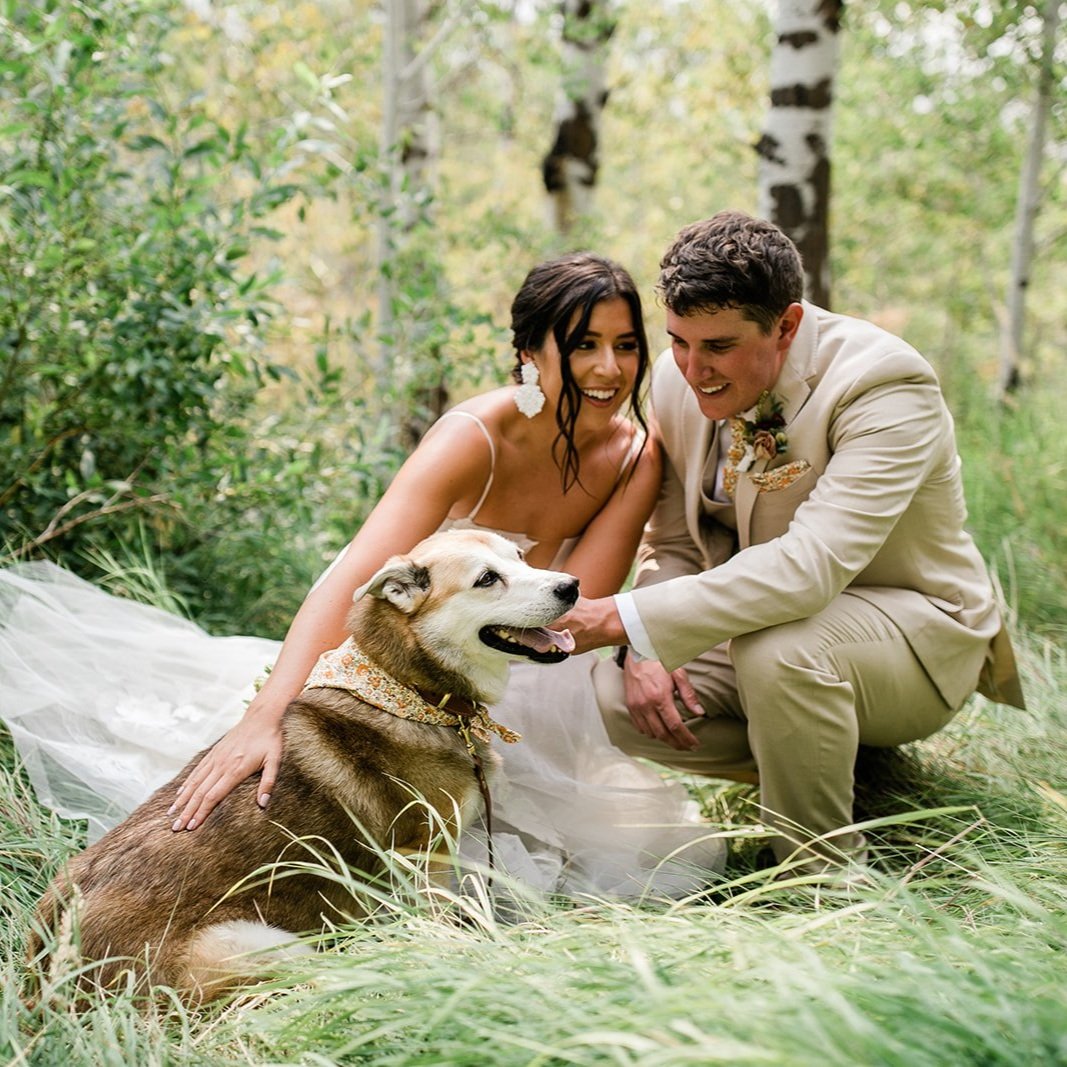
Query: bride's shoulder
point(473, 427)
point(487, 410)
point(636, 451)
point(629, 440)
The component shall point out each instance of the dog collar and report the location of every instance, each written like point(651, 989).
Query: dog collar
point(346, 667)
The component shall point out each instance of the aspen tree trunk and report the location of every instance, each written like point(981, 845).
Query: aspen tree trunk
point(570, 168)
point(410, 149)
point(794, 149)
point(1029, 202)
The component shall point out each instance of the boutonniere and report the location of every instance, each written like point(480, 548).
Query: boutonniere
point(755, 434)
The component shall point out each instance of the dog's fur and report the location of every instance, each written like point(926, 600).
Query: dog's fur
point(177, 907)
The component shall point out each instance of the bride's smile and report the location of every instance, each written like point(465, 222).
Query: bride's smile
point(603, 365)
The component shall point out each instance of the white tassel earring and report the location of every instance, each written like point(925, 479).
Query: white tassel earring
point(528, 398)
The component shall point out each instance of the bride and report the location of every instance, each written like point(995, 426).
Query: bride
point(106, 699)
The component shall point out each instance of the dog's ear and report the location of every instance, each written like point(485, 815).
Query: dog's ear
point(402, 582)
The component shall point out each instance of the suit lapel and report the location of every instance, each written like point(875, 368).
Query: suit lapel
point(744, 498)
point(792, 390)
point(703, 434)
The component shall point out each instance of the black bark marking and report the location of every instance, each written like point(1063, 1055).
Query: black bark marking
point(815, 97)
point(767, 148)
point(800, 39)
point(575, 139)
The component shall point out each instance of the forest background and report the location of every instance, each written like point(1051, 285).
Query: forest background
point(192, 202)
point(199, 404)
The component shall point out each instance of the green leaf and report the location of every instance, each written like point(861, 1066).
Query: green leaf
point(306, 75)
point(207, 146)
point(40, 179)
point(144, 141)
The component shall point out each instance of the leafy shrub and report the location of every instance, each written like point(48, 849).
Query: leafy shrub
point(130, 329)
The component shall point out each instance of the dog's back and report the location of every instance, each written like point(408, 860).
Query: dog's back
point(174, 906)
point(442, 624)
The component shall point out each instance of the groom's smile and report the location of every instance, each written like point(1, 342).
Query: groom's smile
point(727, 359)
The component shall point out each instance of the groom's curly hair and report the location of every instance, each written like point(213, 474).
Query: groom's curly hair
point(732, 260)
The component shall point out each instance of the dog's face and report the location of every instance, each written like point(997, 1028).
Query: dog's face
point(472, 603)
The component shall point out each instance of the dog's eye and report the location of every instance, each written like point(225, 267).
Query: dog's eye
point(487, 579)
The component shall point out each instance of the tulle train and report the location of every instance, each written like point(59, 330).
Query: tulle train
point(106, 699)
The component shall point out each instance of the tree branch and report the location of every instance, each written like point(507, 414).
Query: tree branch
point(425, 53)
point(52, 530)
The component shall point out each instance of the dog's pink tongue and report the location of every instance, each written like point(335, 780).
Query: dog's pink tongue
point(543, 639)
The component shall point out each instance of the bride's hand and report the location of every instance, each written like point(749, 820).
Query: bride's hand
point(650, 693)
point(249, 746)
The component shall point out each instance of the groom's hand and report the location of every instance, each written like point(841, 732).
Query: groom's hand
point(594, 624)
point(650, 698)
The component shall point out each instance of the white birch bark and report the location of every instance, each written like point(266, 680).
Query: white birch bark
point(409, 148)
point(569, 170)
point(794, 149)
point(1013, 328)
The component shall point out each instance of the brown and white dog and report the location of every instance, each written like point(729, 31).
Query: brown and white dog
point(182, 909)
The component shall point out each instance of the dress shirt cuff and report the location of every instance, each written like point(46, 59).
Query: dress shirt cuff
point(636, 634)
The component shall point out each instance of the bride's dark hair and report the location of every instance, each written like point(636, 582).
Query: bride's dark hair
point(554, 294)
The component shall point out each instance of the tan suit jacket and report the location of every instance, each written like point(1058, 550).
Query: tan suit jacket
point(879, 511)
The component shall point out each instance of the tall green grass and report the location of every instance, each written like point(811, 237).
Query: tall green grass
point(1015, 477)
point(954, 953)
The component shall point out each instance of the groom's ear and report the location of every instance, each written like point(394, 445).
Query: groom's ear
point(788, 324)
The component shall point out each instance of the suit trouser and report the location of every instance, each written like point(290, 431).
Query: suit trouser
point(790, 704)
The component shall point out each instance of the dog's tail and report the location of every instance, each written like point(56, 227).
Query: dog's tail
point(229, 954)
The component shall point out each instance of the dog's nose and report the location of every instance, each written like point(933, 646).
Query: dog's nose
point(567, 590)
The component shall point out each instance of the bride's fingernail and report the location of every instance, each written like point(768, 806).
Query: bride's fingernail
point(177, 824)
point(192, 824)
point(172, 809)
point(264, 799)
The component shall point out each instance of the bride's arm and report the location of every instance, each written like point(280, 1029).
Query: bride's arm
point(603, 557)
point(451, 465)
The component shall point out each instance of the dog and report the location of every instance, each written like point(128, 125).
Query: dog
point(195, 910)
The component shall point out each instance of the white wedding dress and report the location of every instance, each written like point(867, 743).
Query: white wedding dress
point(107, 699)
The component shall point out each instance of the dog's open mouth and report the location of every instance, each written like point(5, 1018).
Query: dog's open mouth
point(536, 642)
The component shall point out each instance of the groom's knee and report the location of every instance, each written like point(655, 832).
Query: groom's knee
point(723, 751)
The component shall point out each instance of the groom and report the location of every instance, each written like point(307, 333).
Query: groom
point(805, 584)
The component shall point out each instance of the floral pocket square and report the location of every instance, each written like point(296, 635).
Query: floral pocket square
point(780, 477)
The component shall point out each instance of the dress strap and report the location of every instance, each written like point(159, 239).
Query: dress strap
point(492, 455)
point(631, 454)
